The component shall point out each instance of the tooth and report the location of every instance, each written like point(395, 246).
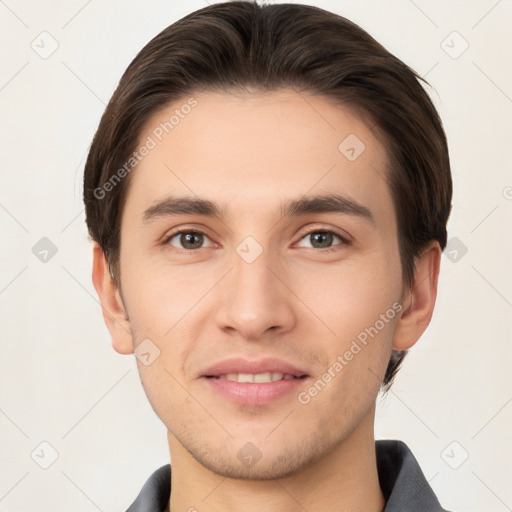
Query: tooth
point(263, 377)
point(245, 377)
point(259, 378)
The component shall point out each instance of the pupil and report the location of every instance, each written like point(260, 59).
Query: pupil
point(322, 238)
point(188, 238)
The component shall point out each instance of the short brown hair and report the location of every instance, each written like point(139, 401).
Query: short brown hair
point(243, 45)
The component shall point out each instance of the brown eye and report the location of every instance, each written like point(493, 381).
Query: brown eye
point(187, 240)
point(322, 239)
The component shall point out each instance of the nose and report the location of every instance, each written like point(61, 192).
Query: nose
point(256, 300)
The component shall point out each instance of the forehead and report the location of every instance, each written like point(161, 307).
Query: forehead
point(248, 151)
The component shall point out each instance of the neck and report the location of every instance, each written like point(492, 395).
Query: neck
point(346, 480)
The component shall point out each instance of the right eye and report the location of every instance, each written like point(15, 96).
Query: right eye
point(187, 240)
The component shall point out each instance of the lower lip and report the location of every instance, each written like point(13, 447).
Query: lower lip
point(252, 393)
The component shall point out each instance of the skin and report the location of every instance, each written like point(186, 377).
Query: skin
point(297, 301)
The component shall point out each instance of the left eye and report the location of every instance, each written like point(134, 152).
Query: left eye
point(321, 239)
point(189, 240)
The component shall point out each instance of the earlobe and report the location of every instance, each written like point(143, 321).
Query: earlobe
point(114, 313)
point(418, 304)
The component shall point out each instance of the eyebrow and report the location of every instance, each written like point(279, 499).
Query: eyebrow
point(327, 203)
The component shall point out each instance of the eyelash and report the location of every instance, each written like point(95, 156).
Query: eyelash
point(344, 240)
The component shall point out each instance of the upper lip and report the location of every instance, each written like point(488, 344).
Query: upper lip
point(241, 365)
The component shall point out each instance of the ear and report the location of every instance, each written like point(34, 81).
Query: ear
point(419, 301)
point(112, 305)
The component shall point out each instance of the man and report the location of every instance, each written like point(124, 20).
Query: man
point(268, 192)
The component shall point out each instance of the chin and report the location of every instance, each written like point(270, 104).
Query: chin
point(265, 463)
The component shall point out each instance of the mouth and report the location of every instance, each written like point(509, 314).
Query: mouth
point(256, 382)
point(256, 370)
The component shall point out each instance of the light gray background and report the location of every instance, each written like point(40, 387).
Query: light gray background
point(60, 380)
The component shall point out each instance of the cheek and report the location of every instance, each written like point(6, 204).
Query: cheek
point(160, 296)
point(355, 313)
point(161, 309)
point(349, 297)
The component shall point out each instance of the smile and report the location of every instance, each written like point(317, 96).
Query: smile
point(256, 377)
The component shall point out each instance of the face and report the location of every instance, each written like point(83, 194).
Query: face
point(269, 281)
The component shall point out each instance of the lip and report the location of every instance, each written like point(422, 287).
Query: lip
point(241, 365)
point(252, 393)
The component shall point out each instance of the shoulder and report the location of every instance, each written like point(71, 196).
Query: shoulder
point(402, 481)
point(154, 495)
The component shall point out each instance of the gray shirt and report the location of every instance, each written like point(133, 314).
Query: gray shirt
point(401, 479)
